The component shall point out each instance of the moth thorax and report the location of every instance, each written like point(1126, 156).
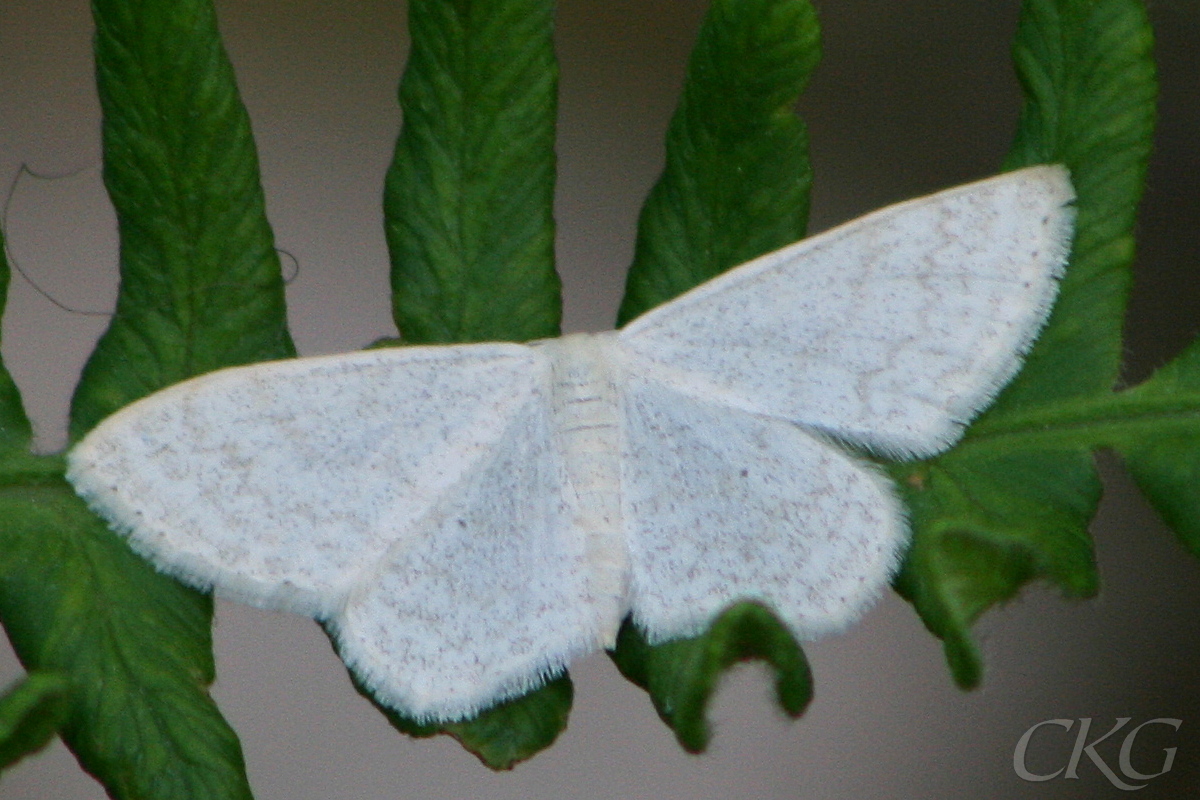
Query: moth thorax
point(586, 419)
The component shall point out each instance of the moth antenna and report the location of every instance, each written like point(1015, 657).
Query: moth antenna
point(24, 170)
point(295, 272)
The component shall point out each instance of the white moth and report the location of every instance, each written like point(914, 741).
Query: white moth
point(469, 518)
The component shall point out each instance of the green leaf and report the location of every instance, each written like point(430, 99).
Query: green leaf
point(30, 714)
point(468, 208)
point(1012, 501)
point(15, 431)
point(134, 644)
point(503, 735)
point(1089, 78)
point(735, 185)
point(200, 279)
point(1164, 459)
point(681, 676)
point(985, 523)
point(468, 203)
point(200, 289)
point(737, 178)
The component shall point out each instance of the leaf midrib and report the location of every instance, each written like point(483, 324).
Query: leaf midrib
point(1089, 422)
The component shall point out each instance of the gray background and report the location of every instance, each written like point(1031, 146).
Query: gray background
point(910, 97)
